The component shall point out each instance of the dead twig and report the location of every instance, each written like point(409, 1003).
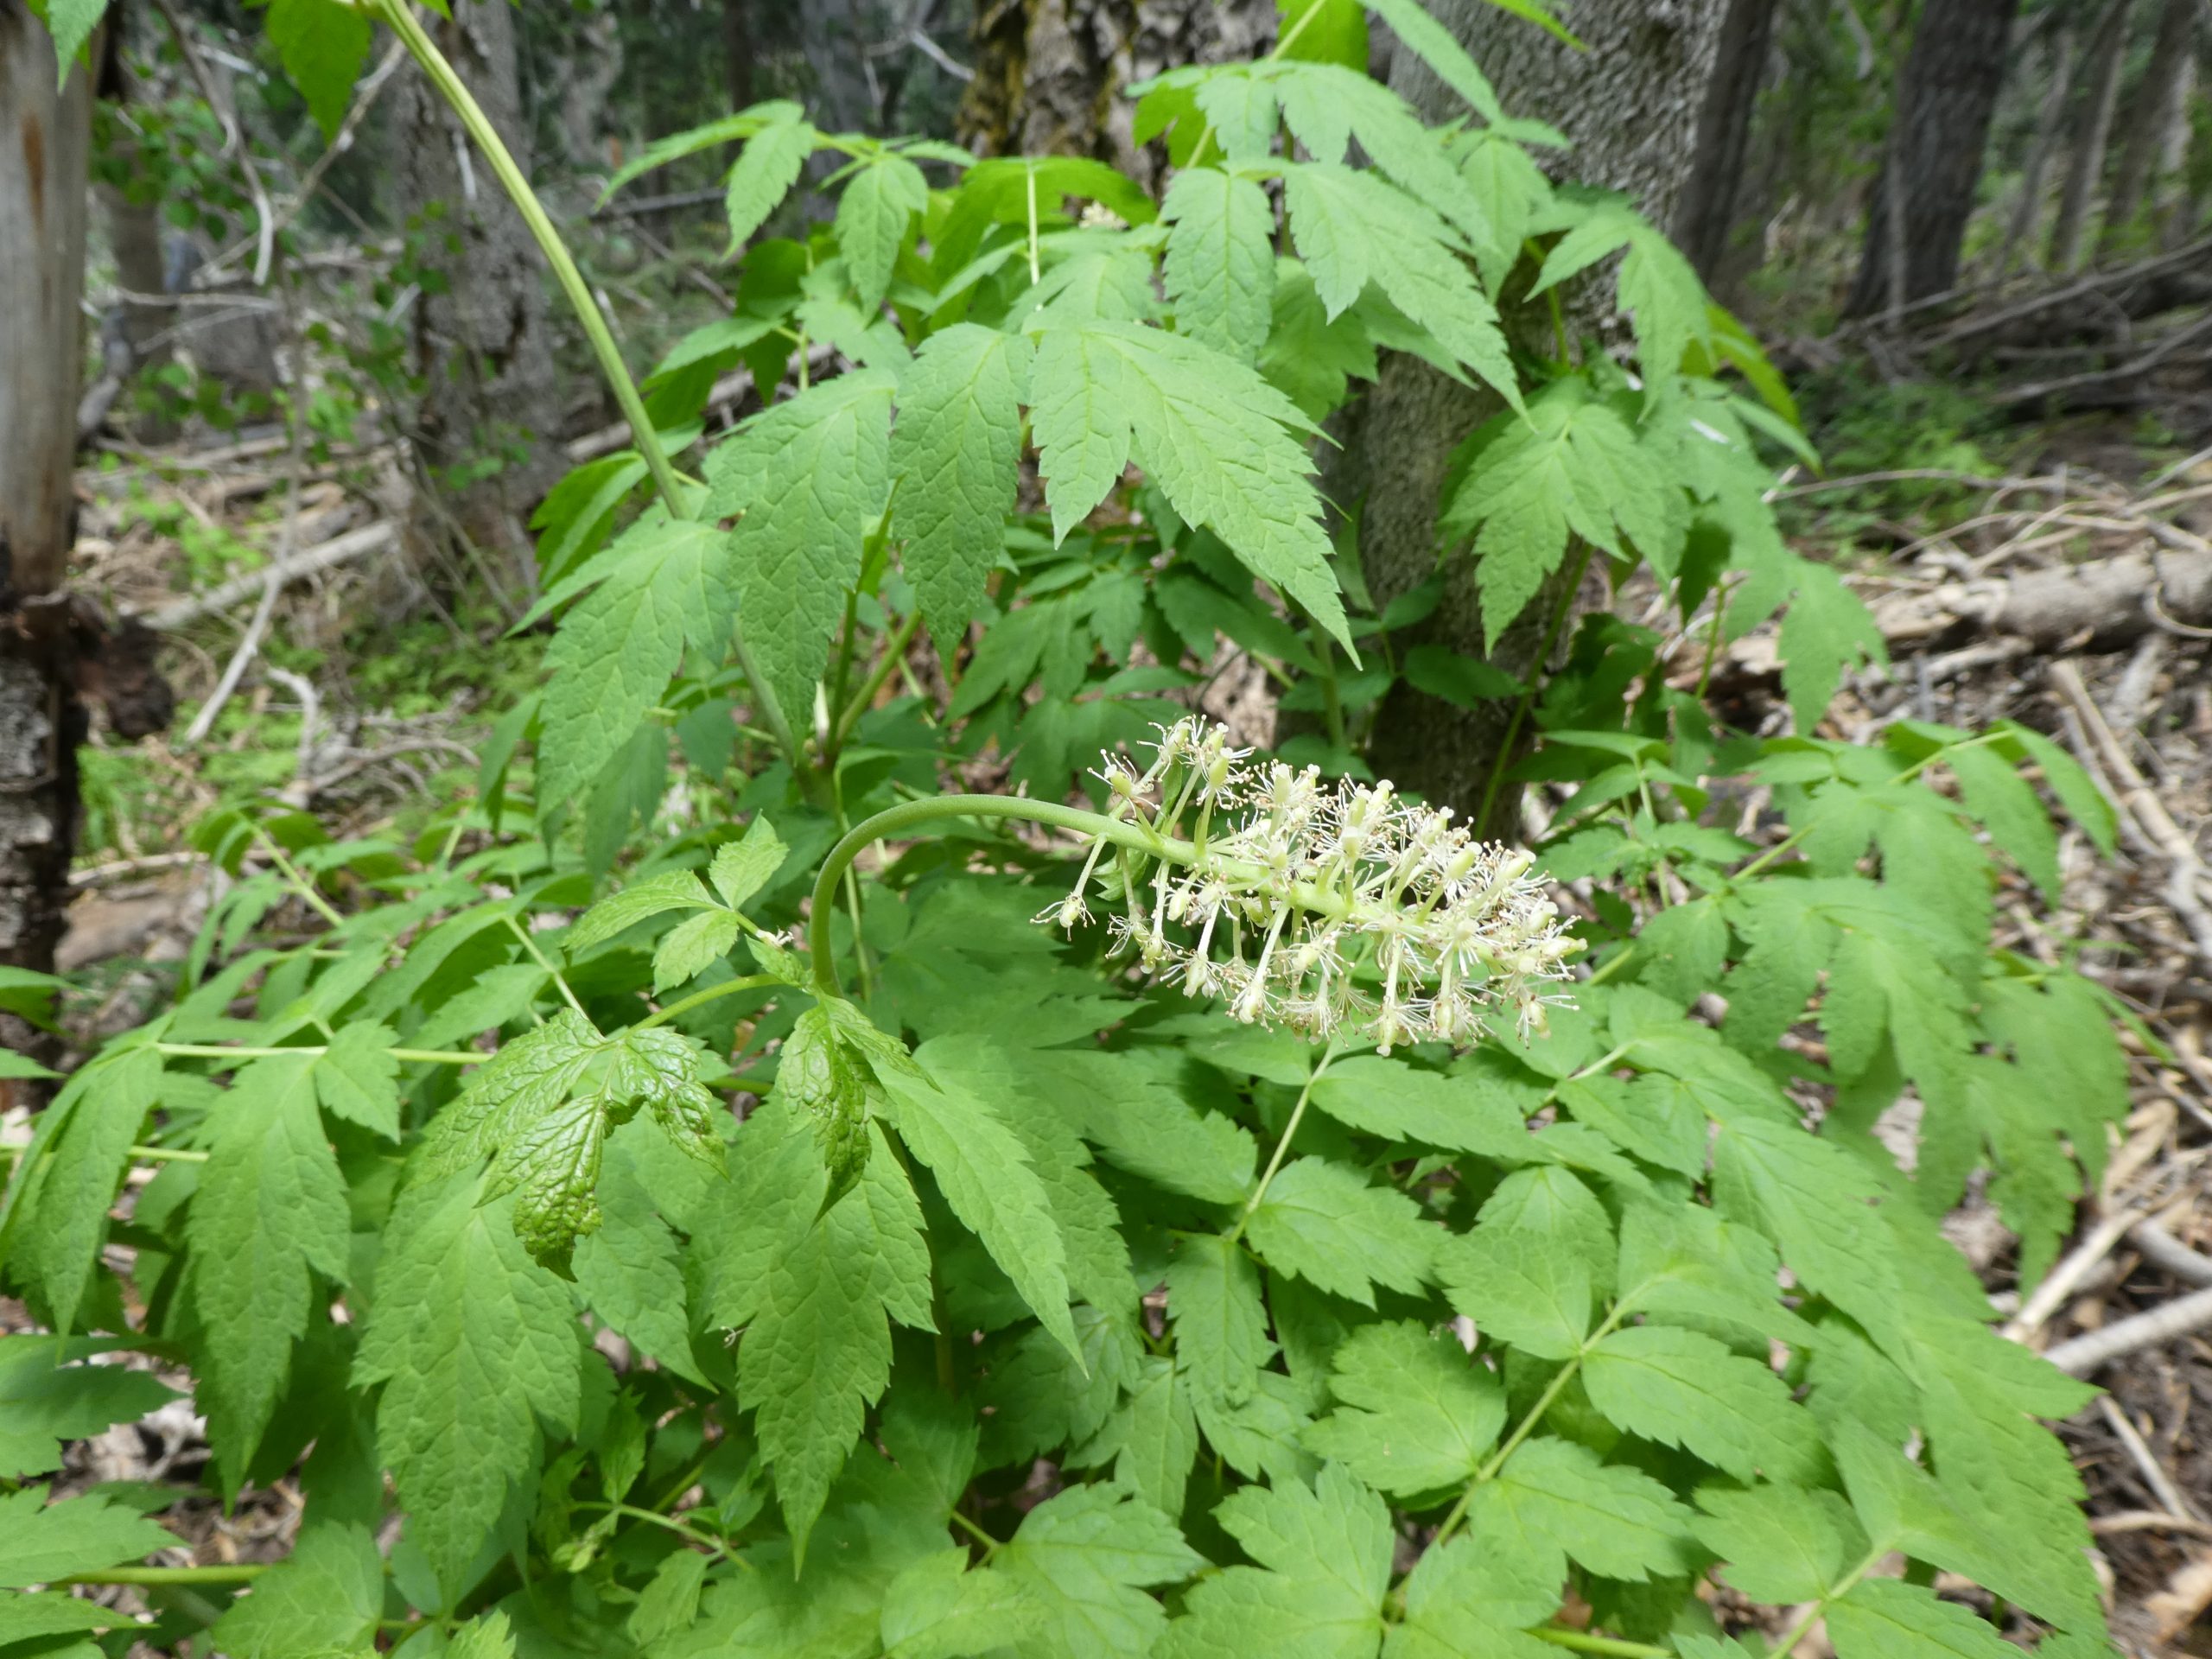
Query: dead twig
point(2153, 1472)
point(2084, 1354)
point(2154, 825)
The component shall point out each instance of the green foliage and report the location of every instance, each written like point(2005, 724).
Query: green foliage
point(1020, 1307)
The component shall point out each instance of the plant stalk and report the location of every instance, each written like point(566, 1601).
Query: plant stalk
point(401, 18)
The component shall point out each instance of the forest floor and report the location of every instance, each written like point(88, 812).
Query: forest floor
point(372, 694)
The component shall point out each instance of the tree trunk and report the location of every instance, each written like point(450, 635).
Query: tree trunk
point(1706, 216)
point(483, 340)
point(1946, 93)
point(2092, 129)
point(1048, 72)
point(2050, 118)
point(833, 35)
point(1634, 105)
point(43, 191)
point(2157, 101)
point(2175, 209)
point(738, 52)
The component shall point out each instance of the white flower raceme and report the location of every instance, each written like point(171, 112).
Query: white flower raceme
point(1334, 910)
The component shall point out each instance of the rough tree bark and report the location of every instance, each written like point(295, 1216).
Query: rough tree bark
point(1633, 104)
point(1946, 93)
point(47, 134)
point(1048, 71)
point(484, 342)
point(2085, 166)
point(2157, 100)
point(1706, 215)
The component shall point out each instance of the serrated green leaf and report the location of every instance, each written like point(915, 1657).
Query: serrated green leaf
point(629, 1271)
point(1086, 1557)
point(1220, 268)
point(1615, 1522)
point(1523, 485)
point(1325, 1564)
point(326, 1595)
point(879, 202)
point(743, 867)
point(41, 1541)
point(1220, 1325)
point(528, 1078)
point(810, 475)
point(765, 171)
point(1826, 629)
point(820, 1288)
point(488, 1635)
point(1352, 228)
point(1519, 1287)
point(1153, 1436)
point(1402, 1103)
point(72, 23)
point(270, 1212)
point(1436, 45)
point(987, 1177)
point(1682, 1388)
point(2084, 802)
point(677, 890)
point(1468, 1590)
point(2008, 809)
point(475, 1346)
point(1815, 1201)
point(358, 1080)
point(939, 1609)
point(55, 1214)
point(1417, 1416)
point(1886, 1618)
point(322, 45)
point(955, 452)
point(45, 1400)
point(1656, 285)
point(1780, 1544)
point(1322, 1221)
point(28, 1615)
point(1215, 437)
point(692, 945)
point(667, 587)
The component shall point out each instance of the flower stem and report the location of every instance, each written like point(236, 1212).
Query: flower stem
point(1282, 1146)
point(643, 434)
point(700, 999)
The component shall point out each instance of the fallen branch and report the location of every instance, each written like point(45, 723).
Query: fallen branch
point(354, 544)
point(2084, 1354)
point(2162, 1249)
point(2101, 603)
point(2142, 808)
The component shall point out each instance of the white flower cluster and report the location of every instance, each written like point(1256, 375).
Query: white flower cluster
point(1334, 910)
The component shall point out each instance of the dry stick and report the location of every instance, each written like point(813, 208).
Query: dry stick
point(250, 646)
point(2153, 823)
point(234, 144)
point(2161, 1248)
point(2062, 1280)
point(2154, 1477)
point(364, 101)
point(355, 543)
point(2084, 1354)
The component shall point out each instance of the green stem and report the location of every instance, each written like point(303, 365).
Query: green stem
point(990, 1544)
point(1504, 760)
point(1787, 1644)
point(217, 1052)
point(630, 1511)
point(1620, 959)
point(240, 1572)
point(1527, 1426)
point(1583, 1642)
point(560, 980)
point(298, 883)
point(1282, 1146)
point(700, 999)
point(895, 652)
point(168, 1155)
point(938, 809)
point(643, 435)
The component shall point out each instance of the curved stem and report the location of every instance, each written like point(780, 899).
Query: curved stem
point(936, 808)
point(1282, 1146)
point(643, 434)
point(1583, 1642)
